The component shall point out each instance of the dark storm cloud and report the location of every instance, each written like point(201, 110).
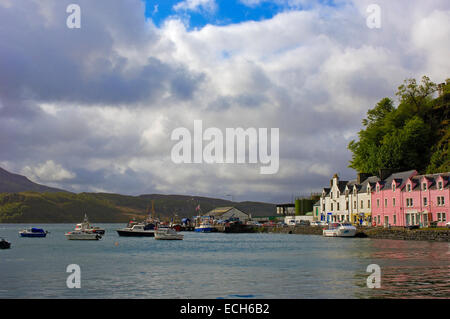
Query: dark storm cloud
point(43, 60)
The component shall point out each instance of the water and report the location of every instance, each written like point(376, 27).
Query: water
point(220, 266)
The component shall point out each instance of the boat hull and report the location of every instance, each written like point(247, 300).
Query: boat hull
point(85, 236)
point(31, 235)
point(205, 230)
point(128, 233)
point(339, 232)
point(5, 245)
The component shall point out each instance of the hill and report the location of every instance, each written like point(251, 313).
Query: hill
point(33, 207)
point(22, 201)
point(16, 183)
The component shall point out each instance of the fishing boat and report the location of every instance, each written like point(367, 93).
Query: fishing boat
point(33, 232)
point(83, 231)
point(205, 228)
point(87, 227)
point(167, 234)
point(339, 230)
point(4, 244)
point(138, 230)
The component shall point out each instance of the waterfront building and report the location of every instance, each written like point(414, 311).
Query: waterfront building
point(286, 209)
point(225, 213)
point(348, 201)
point(406, 198)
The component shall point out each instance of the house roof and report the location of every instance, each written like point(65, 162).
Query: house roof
point(372, 180)
point(219, 211)
point(400, 178)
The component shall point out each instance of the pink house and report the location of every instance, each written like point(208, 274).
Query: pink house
point(407, 198)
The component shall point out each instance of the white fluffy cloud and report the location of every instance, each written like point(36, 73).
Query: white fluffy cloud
point(47, 172)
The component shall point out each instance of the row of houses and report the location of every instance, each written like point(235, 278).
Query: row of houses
point(394, 199)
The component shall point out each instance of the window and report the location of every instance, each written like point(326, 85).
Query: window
point(368, 204)
point(440, 185)
point(338, 206)
point(331, 206)
point(346, 205)
point(331, 194)
point(368, 189)
point(354, 204)
point(439, 217)
point(393, 187)
point(385, 202)
point(378, 203)
point(393, 202)
point(424, 186)
point(425, 201)
point(362, 204)
point(378, 188)
point(379, 219)
point(323, 207)
point(408, 187)
point(338, 193)
point(395, 219)
point(443, 217)
point(440, 201)
point(409, 202)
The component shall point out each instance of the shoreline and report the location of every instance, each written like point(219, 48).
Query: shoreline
point(396, 233)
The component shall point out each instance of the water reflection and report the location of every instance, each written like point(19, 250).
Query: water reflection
point(411, 269)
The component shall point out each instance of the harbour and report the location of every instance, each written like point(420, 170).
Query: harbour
point(251, 265)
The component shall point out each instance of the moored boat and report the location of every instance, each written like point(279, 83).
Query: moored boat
point(167, 234)
point(340, 230)
point(83, 231)
point(87, 227)
point(205, 228)
point(33, 232)
point(4, 244)
point(138, 230)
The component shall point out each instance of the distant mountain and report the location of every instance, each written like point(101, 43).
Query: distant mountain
point(15, 183)
point(22, 201)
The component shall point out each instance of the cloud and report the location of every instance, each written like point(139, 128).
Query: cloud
point(93, 109)
point(209, 6)
point(47, 172)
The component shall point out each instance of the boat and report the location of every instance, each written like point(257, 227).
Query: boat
point(82, 235)
point(205, 228)
point(33, 232)
point(4, 244)
point(339, 230)
point(83, 231)
point(87, 227)
point(167, 234)
point(138, 230)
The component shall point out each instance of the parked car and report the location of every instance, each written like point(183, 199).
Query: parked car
point(447, 225)
point(304, 223)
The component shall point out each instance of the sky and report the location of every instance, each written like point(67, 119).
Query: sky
point(93, 109)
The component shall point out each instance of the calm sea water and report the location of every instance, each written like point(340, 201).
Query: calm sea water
point(220, 266)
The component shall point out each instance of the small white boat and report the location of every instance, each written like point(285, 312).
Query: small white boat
point(168, 234)
point(82, 235)
point(83, 231)
point(340, 230)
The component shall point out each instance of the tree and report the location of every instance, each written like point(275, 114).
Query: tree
point(412, 136)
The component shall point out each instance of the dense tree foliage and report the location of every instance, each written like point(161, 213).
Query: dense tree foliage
point(415, 135)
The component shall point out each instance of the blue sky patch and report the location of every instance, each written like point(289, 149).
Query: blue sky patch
point(224, 12)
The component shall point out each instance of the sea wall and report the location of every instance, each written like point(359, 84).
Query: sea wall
point(424, 234)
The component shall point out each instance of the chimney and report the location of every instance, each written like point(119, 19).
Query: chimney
point(361, 177)
point(384, 173)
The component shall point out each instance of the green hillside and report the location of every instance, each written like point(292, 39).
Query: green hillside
point(33, 207)
point(413, 135)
